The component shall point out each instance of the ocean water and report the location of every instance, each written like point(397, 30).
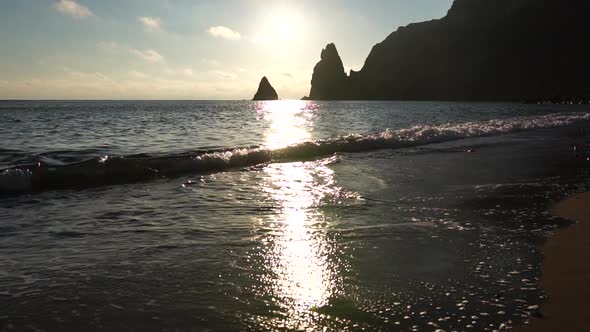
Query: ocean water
point(286, 215)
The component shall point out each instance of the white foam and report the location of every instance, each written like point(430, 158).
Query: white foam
point(428, 134)
point(21, 178)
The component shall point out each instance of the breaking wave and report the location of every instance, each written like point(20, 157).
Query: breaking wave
point(49, 173)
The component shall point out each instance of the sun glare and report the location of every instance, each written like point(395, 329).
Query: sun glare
point(281, 27)
point(289, 120)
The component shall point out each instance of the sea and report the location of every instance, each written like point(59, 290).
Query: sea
point(280, 215)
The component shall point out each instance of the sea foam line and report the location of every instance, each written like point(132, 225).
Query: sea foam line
point(106, 170)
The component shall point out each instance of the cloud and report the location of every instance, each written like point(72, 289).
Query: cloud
point(80, 74)
point(151, 23)
point(224, 75)
point(133, 85)
point(148, 55)
point(178, 71)
point(224, 32)
point(108, 45)
point(211, 62)
point(73, 9)
point(137, 74)
point(287, 75)
point(90, 85)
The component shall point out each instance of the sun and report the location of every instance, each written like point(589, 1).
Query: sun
point(281, 27)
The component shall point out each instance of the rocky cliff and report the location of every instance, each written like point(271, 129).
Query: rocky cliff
point(265, 91)
point(329, 81)
point(481, 50)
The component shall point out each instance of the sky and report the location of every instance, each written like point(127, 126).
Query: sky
point(186, 49)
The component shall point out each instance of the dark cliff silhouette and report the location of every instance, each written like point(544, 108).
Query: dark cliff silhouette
point(265, 91)
point(481, 50)
point(329, 81)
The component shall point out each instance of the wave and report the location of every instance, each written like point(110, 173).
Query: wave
point(48, 173)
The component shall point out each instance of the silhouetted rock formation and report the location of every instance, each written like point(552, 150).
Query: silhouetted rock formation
point(482, 50)
point(265, 91)
point(329, 81)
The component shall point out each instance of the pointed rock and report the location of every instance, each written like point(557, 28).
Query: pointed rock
point(265, 91)
point(329, 81)
point(485, 50)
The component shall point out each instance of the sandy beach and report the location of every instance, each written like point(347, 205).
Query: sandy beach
point(566, 272)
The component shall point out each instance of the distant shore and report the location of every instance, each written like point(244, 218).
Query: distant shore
point(566, 271)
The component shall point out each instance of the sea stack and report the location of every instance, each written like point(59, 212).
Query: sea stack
point(329, 81)
point(265, 91)
point(482, 50)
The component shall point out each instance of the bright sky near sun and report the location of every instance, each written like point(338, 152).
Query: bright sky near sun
point(186, 49)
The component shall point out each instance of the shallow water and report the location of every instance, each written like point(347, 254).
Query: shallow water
point(411, 229)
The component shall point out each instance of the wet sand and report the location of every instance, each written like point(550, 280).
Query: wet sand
point(566, 272)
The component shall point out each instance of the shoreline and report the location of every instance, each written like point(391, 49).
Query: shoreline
point(566, 271)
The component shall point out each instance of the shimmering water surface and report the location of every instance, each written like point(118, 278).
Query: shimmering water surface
point(288, 215)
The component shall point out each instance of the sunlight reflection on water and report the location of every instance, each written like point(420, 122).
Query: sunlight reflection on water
point(299, 256)
point(291, 122)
